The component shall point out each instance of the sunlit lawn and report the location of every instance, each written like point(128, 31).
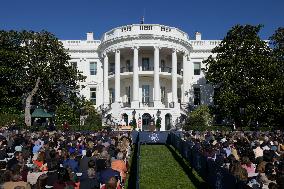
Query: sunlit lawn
point(159, 168)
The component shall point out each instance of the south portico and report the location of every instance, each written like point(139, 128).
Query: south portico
point(131, 65)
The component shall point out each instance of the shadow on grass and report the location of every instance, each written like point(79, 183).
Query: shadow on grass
point(188, 170)
point(131, 183)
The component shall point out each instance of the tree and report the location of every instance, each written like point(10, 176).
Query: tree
point(277, 44)
point(11, 66)
point(199, 118)
point(244, 74)
point(43, 74)
point(158, 123)
point(93, 121)
point(65, 112)
point(133, 123)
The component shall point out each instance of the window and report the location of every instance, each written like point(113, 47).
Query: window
point(93, 68)
point(145, 64)
point(127, 92)
point(197, 68)
point(196, 96)
point(128, 67)
point(179, 68)
point(74, 65)
point(163, 65)
point(111, 68)
point(145, 93)
point(111, 95)
point(179, 95)
point(93, 95)
point(163, 95)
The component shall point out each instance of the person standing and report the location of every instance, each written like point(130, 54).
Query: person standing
point(66, 126)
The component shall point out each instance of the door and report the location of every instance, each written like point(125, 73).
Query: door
point(146, 119)
point(168, 120)
point(145, 94)
point(145, 64)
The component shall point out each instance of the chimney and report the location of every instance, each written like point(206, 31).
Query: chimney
point(197, 36)
point(90, 36)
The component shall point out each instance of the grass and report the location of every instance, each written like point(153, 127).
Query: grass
point(161, 167)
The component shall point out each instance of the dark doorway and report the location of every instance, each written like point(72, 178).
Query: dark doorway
point(125, 118)
point(146, 119)
point(168, 121)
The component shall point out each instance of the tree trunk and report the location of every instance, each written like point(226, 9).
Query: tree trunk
point(28, 117)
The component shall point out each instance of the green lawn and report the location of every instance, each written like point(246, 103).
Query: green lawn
point(162, 167)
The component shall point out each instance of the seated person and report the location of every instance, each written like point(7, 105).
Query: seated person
point(119, 165)
point(64, 180)
point(91, 182)
point(107, 173)
point(15, 180)
point(112, 183)
point(72, 163)
point(247, 165)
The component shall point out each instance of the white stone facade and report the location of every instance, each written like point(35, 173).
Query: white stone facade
point(146, 68)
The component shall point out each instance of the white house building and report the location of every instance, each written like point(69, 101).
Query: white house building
point(148, 70)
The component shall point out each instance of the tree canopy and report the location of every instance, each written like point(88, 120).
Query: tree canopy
point(35, 69)
point(248, 75)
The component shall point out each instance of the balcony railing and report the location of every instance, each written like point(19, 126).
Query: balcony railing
point(169, 70)
point(166, 69)
point(126, 69)
point(147, 68)
point(126, 104)
point(111, 72)
point(130, 69)
point(146, 104)
point(179, 72)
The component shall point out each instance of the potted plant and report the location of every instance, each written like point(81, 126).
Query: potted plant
point(158, 124)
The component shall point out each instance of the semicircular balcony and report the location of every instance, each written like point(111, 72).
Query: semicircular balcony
point(144, 30)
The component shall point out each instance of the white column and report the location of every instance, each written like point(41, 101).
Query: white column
point(106, 91)
point(135, 87)
point(117, 76)
point(184, 59)
point(174, 76)
point(157, 98)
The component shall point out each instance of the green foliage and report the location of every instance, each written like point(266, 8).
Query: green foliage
point(200, 118)
point(7, 119)
point(158, 123)
point(133, 123)
point(247, 76)
point(277, 43)
point(26, 56)
point(93, 121)
point(65, 112)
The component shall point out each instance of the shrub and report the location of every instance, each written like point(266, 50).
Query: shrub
point(93, 121)
point(199, 118)
point(7, 119)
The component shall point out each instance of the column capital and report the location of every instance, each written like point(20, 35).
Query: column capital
point(117, 50)
point(135, 47)
point(105, 54)
point(174, 50)
point(157, 47)
point(184, 53)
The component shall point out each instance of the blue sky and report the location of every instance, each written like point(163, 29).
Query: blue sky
point(71, 19)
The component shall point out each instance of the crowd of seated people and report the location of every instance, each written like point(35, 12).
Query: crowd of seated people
point(58, 160)
point(256, 158)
